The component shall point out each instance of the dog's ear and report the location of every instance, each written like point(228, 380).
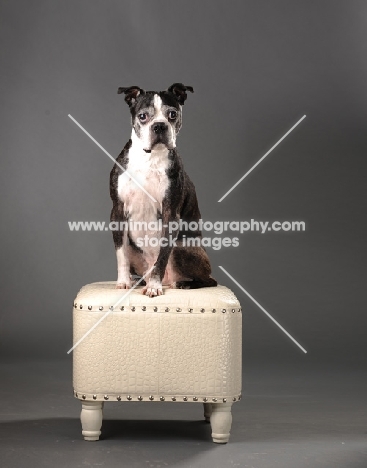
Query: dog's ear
point(131, 93)
point(179, 90)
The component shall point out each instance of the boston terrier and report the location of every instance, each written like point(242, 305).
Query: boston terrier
point(161, 213)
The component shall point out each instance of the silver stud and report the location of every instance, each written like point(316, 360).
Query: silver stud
point(80, 306)
point(118, 398)
point(195, 398)
point(190, 310)
point(239, 310)
point(111, 307)
point(75, 305)
point(76, 394)
point(94, 397)
point(151, 397)
point(155, 309)
point(224, 400)
point(173, 398)
point(129, 397)
point(224, 311)
point(100, 307)
point(144, 308)
point(213, 310)
point(215, 399)
point(166, 309)
point(240, 396)
point(234, 399)
point(178, 309)
point(185, 398)
point(122, 307)
point(106, 397)
point(140, 398)
point(84, 397)
point(202, 310)
point(162, 398)
point(233, 311)
point(133, 308)
point(89, 307)
point(205, 399)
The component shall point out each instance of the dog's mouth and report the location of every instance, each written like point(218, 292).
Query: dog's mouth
point(160, 144)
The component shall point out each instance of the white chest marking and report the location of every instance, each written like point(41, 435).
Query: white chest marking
point(149, 169)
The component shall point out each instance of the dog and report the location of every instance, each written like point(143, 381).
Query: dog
point(166, 206)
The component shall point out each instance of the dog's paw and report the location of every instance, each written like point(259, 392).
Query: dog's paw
point(152, 292)
point(180, 285)
point(126, 285)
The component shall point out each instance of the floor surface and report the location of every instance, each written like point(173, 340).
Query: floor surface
point(288, 418)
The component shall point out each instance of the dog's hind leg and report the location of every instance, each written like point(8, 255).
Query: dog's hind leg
point(193, 263)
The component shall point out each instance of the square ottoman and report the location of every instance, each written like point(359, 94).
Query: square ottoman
point(183, 346)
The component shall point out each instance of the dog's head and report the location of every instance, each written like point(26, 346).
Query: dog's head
point(156, 116)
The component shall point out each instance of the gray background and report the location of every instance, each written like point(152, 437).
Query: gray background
point(256, 67)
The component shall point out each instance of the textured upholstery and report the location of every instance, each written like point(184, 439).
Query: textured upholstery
point(182, 346)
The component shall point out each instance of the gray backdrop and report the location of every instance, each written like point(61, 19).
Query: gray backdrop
point(256, 67)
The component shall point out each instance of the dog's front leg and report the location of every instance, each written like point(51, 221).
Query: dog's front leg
point(154, 284)
point(121, 246)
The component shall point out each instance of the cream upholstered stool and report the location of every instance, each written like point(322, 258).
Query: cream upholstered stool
point(184, 346)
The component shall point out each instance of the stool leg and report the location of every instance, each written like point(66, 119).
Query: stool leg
point(91, 419)
point(207, 411)
point(221, 421)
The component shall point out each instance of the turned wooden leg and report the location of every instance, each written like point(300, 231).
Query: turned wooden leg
point(221, 421)
point(91, 418)
point(207, 411)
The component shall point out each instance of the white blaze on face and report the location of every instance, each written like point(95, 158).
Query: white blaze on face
point(158, 114)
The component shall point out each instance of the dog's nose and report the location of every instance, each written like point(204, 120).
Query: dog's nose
point(159, 127)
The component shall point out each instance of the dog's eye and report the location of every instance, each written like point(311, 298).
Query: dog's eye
point(142, 117)
point(172, 115)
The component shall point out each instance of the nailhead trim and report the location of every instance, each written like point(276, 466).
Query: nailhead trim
point(152, 398)
point(155, 309)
